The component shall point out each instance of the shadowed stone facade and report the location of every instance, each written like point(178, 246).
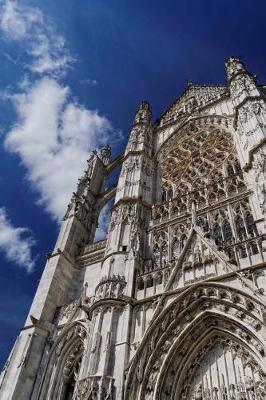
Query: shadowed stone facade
point(171, 305)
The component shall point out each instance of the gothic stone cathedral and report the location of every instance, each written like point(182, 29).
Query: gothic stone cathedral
point(171, 305)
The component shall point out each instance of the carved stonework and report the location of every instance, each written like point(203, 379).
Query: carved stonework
point(223, 369)
point(67, 311)
point(110, 287)
point(195, 97)
point(259, 165)
point(170, 304)
point(105, 154)
point(95, 388)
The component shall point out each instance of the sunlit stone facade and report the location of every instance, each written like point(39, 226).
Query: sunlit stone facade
point(171, 305)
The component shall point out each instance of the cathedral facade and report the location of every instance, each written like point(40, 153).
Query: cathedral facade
point(171, 305)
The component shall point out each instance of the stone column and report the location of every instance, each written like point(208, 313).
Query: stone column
point(55, 286)
point(126, 245)
point(250, 131)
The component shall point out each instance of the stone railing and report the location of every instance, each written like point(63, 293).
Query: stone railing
point(95, 246)
point(156, 278)
point(92, 253)
point(203, 197)
point(109, 288)
point(112, 287)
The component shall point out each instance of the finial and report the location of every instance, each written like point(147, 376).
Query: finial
point(145, 105)
point(233, 66)
point(105, 154)
point(143, 113)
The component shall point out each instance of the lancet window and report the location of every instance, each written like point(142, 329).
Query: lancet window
point(178, 241)
point(160, 249)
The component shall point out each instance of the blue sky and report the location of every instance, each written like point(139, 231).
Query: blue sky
point(71, 76)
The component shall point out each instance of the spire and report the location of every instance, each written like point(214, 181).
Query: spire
point(234, 66)
point(241, 82)
point(140, 135)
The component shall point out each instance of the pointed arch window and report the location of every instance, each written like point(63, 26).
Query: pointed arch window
point(240, 228)
point(156, 255)
point(164, 254)
point(217, 234)
point(175, 249)
point(227, 232)
point(251, 227)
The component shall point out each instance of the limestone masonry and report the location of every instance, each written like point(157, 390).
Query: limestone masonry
point(171, 305)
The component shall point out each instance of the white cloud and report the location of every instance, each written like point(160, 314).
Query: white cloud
point(103, 222)
point(46, 48)
point(90, 82)
point(53, 136)
point(16, 21)
point(15, 243)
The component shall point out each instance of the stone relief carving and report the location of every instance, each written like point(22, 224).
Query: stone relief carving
point(67, 311)
point(63, 360)
point(207, 342)
point(133, 163)
point(241, 86)
point(224, 369)
point(175, 321)
point(259, 166)
point(136, 163)
point(95, 388)
point(105, 154)
point(195, 97)
point(234, 66)
point(110, 287)
point(249, 110)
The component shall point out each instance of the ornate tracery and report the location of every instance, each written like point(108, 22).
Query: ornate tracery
point(186, 352)
point(224, 369)
point(61, 372)
point(199, 168)
point(199, 171)
point(198, 156)
point(173, 299)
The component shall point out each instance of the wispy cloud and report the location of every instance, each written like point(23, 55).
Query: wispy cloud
point(16, 243)
point(53, 136)
point(53, 133)
point(90, 82)
point(46, 48)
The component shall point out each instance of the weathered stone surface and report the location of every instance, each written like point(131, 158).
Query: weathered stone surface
point(171, 305)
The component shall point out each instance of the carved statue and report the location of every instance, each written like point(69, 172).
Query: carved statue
point(105, 154)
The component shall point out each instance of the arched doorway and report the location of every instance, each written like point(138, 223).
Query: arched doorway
point(63, 364)
point(222, 368)
point(187, 353)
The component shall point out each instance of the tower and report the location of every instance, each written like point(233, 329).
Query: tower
point(171, 305)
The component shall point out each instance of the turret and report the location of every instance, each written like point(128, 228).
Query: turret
point(56, 285)
point(250, 127)
point(249, 109)
point(125, 249)
point(82, 210)
point(140, 137)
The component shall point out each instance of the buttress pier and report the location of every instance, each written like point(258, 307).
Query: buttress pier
point(171, 304)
